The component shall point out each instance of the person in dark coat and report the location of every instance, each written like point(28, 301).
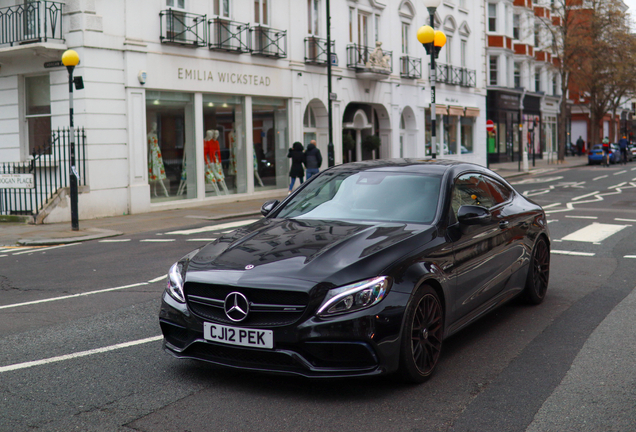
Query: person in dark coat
point(297, 159)
point(579, 145)
point(313, 159)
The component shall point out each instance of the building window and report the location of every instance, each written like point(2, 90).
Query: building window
point(309, 126)
point(517, 75)
point(492, 17)
point(261, 12)
point(537, 81)
point(377, 27)
point(537, 32)
point(351, 13)
point(516, 26)
point(462, 4)
point(38, 112)
point(313, 17)
point(555, 90)
point(493, 70)
point(405, 38)
point(363, 29)
point(222, 8)
point(463, 48)
point(449, 51)
point(179, 4)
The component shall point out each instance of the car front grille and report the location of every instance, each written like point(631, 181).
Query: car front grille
point(240, 356)
point(268, 308)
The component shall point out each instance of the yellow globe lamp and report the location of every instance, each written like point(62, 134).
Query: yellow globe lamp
point(439, 39)
point(70, 58)
point(425, 34)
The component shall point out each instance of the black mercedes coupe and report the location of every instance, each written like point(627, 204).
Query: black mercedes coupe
point(364, 270)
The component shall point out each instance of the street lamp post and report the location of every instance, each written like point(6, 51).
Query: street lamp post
point(70, 59)
point(433, 42)
point(330, 148)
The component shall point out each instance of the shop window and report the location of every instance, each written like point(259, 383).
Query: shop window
point(38, 113)
point(224, 150)
point(467, 134)
point(450, 134)
point(171, 147)
point(269, 123)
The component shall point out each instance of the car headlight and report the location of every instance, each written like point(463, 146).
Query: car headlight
point(354, 297)
point(175, 282)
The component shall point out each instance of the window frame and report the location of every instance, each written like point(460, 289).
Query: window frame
point(262, 16)
point(314, 17)
point(492, 19)
point(218, 11)
point(26, 142)
point(494, 71)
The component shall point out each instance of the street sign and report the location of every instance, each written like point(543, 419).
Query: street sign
point(333, 96)
point(490, 126)
point(334, 59)
point(16, 181)
point(52, 64)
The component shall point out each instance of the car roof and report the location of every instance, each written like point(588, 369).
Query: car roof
point(413, 165)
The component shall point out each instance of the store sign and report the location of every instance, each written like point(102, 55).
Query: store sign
point(223, 77)
point(16, 181)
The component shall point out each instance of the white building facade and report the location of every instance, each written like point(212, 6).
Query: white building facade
point(191, 102)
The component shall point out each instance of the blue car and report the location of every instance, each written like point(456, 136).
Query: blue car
point(595, 155)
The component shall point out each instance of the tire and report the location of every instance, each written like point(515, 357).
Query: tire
point(538, 273)
point(422, 336)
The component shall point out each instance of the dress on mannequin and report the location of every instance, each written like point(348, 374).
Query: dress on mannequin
point(213, 167)
point(156, 170)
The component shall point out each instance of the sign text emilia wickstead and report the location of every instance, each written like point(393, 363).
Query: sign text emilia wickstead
point(223, 77)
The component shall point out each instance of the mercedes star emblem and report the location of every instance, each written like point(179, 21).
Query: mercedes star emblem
point(249, 267)
point(236, 306)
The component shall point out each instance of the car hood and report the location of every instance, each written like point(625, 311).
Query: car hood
point(305, 249)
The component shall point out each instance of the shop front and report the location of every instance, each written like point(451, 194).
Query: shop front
point(212, 130)
point(503, 110)
point(532, 136)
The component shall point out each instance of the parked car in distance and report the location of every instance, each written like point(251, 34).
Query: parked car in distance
point(595, 155)
point(364, 270)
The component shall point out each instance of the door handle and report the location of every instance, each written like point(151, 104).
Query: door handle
point(504, 224)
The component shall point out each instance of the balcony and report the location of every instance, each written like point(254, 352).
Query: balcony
point(183, 28)
point(369, 63)
point(32, 22)
point(448, 74)
point(228, 36)
point(316, 51)
point(410, 67)
point(268, 42)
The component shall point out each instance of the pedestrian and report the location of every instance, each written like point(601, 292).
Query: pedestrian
point(622, 143)
point(606, 149)
point(313, 159)
point(297, 159)
point(579, 145)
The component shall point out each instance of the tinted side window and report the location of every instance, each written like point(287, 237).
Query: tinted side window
point(472, 189)
point(499, 191)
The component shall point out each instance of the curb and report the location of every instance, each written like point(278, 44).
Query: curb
point(99, 234)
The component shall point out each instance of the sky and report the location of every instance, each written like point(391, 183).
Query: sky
point(632, 7)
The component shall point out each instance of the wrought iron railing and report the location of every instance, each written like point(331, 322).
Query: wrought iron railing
point(183, 28)
point(228, 35)
point(316, 51)
point(456, 75)
point(31, 22)
point(361, 58)
point(410, 67)
point(268, 42)
point(50, 168)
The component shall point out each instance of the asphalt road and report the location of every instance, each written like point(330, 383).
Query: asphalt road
point(79, 346)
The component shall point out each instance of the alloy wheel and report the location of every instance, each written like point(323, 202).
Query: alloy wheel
point(426, 334)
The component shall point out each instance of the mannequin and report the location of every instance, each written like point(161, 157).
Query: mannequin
point(156, 170)
point(212, 156)
point(211, 148)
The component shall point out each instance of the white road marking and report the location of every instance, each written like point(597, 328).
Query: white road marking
point(42, 249)
point(556, 240)
point(601, 177)
point(3, 256)
point(157, 279)
point(213, 228)
point(584, 196)
point(115, 241)
point(620, 172)
point(157, 240)
point(572, 253)
point(633, 169)
point(201, 240)
point(537, 180)
point(581, 217)
point(553, 220)
point(551, 205)
point(625, 220)
point(594, 233)
point(629, 256)
point(617, 186)
point(18, 366)
point(18, 248)
point(52, 299)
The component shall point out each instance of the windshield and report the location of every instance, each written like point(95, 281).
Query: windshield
point(367, 195)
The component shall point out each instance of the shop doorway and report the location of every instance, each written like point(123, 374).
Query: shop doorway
point(366, 133)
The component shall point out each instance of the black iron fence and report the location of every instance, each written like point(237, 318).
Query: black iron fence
point(364, 59)
point(48, 171)
point(316, 51)
point(268, 42)
point(456, 75)
point(183, 28)
point(30, 22)
point(410, 67)
point(228, 35)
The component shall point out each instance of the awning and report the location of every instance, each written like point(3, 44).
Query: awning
point(455, 111)
point(440, 110)
point(472, 112)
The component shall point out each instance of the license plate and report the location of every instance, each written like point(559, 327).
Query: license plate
point(246, 337)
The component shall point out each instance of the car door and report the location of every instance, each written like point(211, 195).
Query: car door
point(482, 260)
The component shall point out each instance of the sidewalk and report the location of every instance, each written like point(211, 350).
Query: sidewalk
point(91, 229)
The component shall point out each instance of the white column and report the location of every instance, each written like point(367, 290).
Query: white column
point(358, 145)
point(249, 143)
point(198, 145)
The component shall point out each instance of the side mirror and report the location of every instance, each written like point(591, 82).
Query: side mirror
point(473, 215)
point(268, 207)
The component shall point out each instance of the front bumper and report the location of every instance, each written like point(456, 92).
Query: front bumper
point(362, 343)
